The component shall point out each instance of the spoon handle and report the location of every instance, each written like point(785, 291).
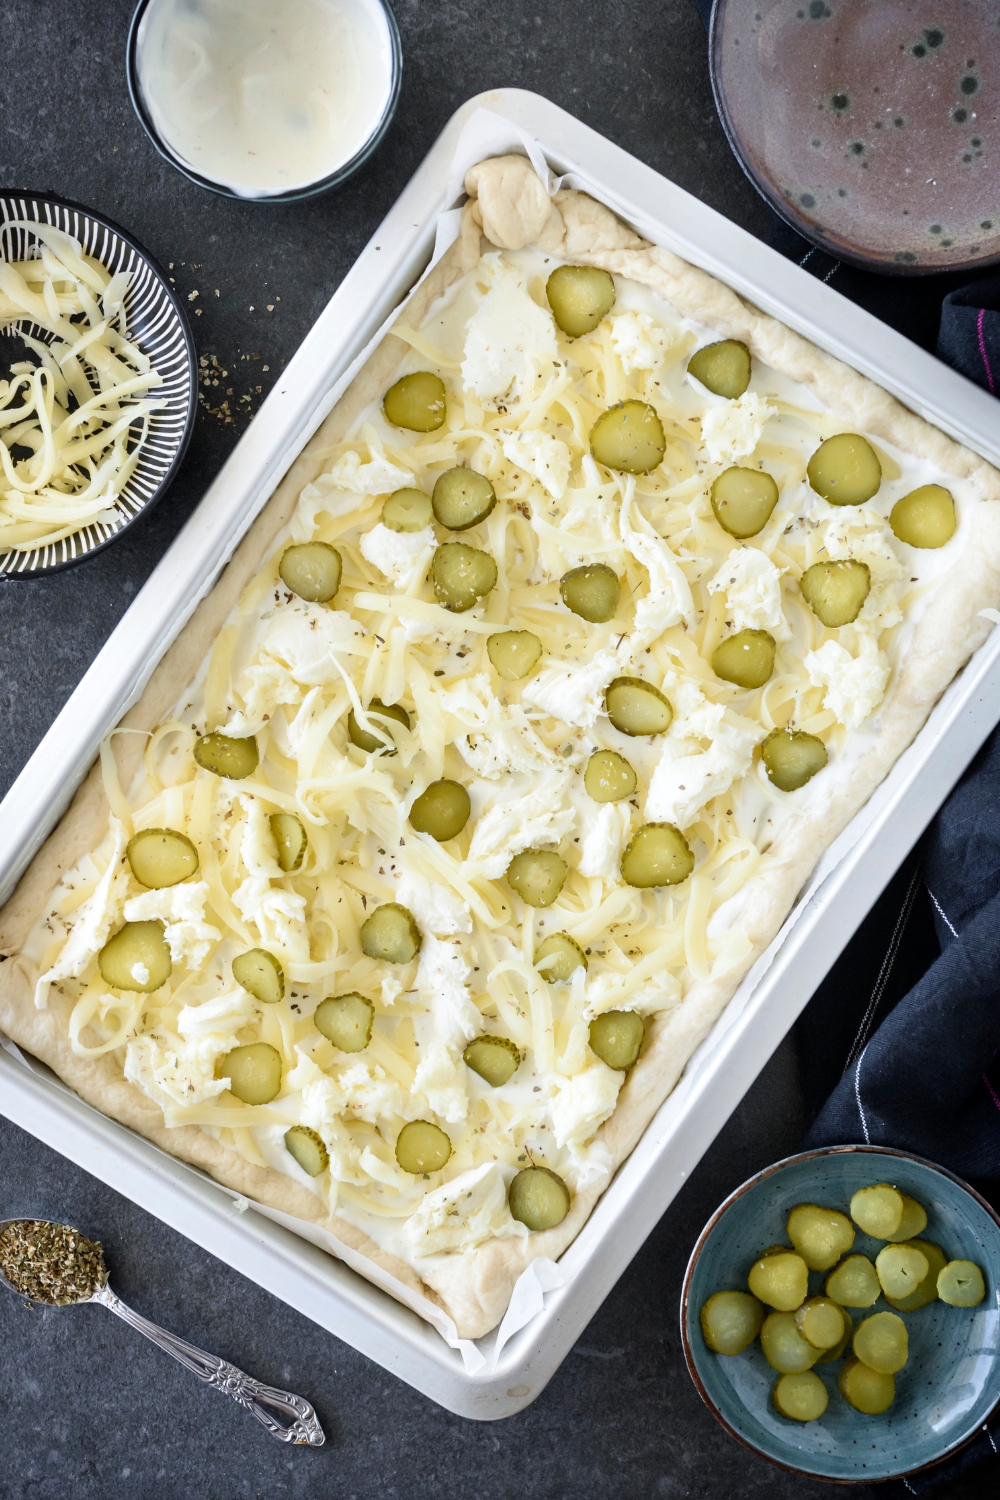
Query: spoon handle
point(300, 1423)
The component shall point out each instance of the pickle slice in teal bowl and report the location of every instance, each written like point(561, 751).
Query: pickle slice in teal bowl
point(950, 1384)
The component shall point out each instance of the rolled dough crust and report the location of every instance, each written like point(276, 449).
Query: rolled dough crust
point(509, 205)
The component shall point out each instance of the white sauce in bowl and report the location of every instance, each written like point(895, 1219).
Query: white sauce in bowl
point(265, 97)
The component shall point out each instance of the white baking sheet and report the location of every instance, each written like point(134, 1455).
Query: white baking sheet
point(552, 1304)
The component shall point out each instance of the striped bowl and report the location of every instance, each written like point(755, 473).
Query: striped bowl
point(156, 323)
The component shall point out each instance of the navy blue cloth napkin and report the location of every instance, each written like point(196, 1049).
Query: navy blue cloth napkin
point(900, 1045)
point(918, 1053)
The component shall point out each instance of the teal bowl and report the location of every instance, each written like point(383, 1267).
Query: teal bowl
point(951, 1381)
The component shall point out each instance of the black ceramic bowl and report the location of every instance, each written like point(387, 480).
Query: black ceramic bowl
point(872, 128)
point(156, 323)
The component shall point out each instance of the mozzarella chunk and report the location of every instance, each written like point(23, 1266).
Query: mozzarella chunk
point(491, 737)
point(604, 839)
point(668, 600)
point(574, 694)
point(732, 429)
point(684, 781)
point(179, 1070)
point(376, 477)
point(401, 555)
point(581, 1103)
point(638, 342)
point(442, 984)
point(462, 1213)
point(528, 820)
point(440, 1078)
point(544, 458)
point(437, 909)
point(94, 920)
point(855, 685)
point(181, 909)
point(752, 586)
point(509, 337)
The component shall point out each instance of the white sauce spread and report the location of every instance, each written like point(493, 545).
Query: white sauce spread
point(265, 96)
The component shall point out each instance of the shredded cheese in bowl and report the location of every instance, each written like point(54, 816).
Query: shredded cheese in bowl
point(73, 421)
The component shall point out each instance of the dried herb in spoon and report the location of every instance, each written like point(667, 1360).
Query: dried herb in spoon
point(51, 1263)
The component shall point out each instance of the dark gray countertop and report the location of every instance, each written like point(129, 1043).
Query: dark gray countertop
point(90, 1410)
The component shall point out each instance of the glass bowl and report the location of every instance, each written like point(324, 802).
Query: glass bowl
point(293, 195)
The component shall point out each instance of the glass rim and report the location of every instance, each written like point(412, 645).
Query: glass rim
point(292, 195)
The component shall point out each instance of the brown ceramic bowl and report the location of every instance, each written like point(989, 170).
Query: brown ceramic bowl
point(871, 126)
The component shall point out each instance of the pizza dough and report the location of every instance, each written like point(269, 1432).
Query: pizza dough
point(510, 208)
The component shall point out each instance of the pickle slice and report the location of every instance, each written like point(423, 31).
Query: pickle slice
point(925, 517)
point(513, 653)
point(308, 1149)
point(592, 592)
point(580, 296)
point(722, 368)
point(609, 777)
point(882, 1343)
point(407, 510)
point(391, 934)
point(537, 875)
point(136, 958)
point(878, 1210)
point(616, 1037)
point(416, 402)
point(312, 570)
point(254, 1072)
point(836, 591)
point(791, 758)
point(927, 1290)
point(802, 1397)
point(160, 857)
point(900, 1269)
point(820, 1235)
point(913, 1222)
point(845, 470)
point(865, 1389)
point(346, 1021)
point(289, 839)
point(495, 1058)
point(658, 854)
point(783, 1346)
point(629, 437)
point(854, 1283)
point(224, 756)
point(442, 810)
point(538, 1198)
point(384, 715)
point(462, 498)
point(743, 500)
point(960, 1283)
point(745, 659)
point(636, 707)
point(820, 1321)
point(422, 1147)
point(730, 1321)
point(837, 1352)
point(781, 1279)
point(558, 957)
point(461, 575)
point(261, 975)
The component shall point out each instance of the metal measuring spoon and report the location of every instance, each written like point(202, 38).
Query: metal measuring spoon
point(300, 1424)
